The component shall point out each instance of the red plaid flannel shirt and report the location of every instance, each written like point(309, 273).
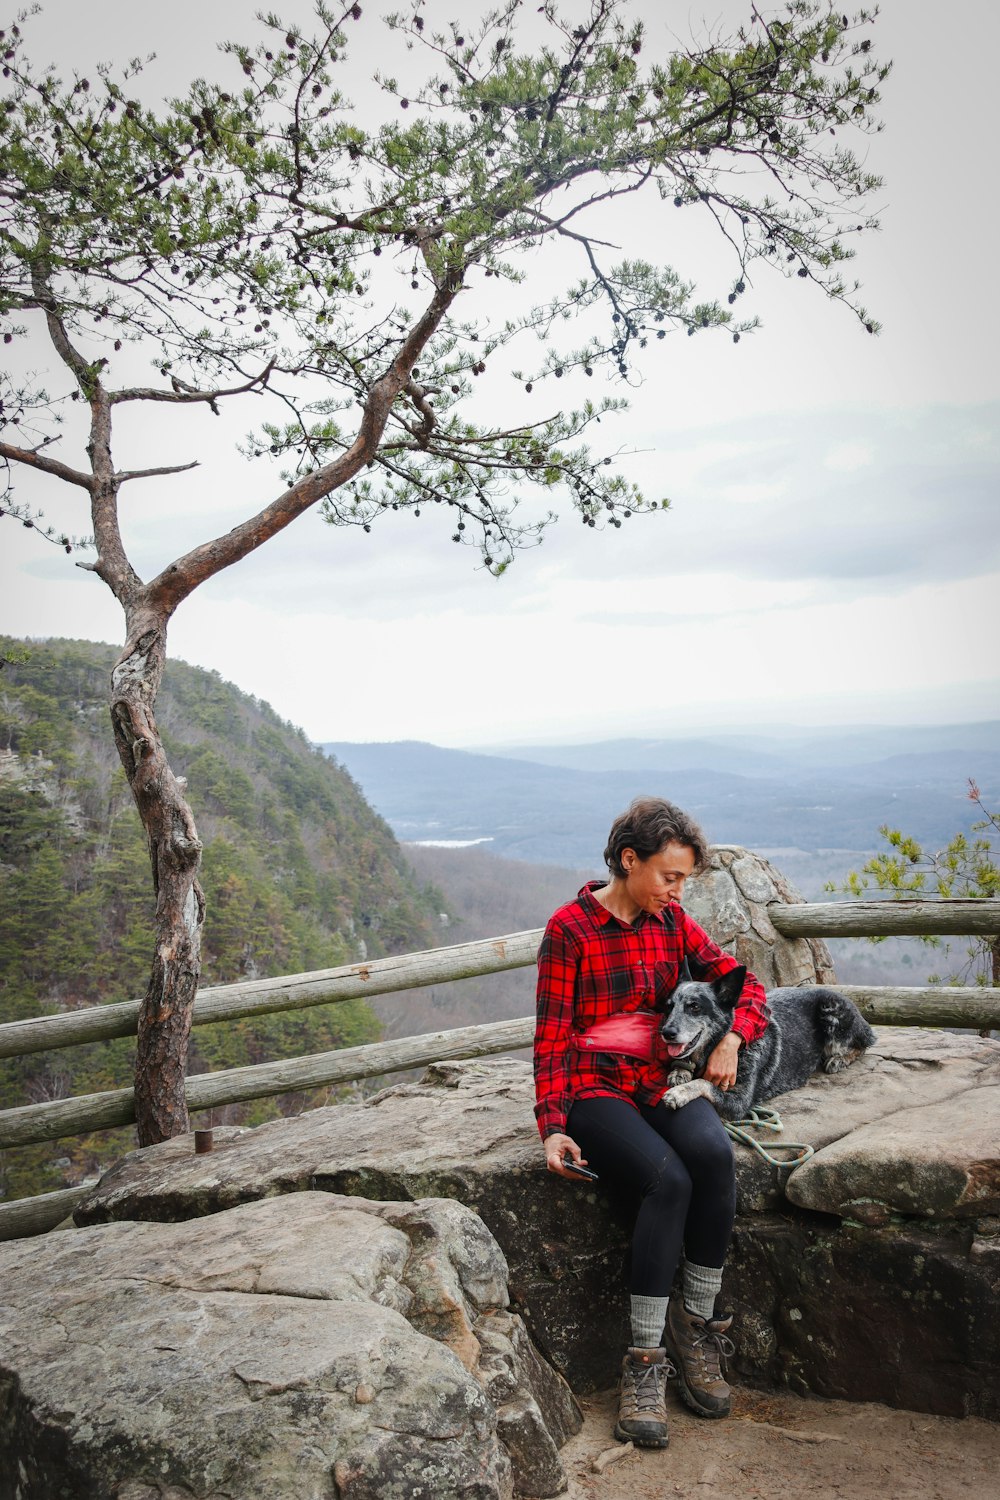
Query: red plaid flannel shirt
point(591, 965)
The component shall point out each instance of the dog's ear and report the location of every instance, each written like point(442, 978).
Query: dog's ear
point(684, 975)
point(729, 988)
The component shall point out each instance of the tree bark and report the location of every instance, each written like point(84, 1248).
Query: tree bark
point(175, 856)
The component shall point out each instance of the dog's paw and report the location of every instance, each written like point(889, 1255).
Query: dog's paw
point(679, 1076)
point(837, 1060)
point(676, 1098)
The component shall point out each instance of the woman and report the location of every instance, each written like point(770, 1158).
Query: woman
point(620, 947)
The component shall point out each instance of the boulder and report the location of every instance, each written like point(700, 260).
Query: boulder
point(938, 1160)
point(730, 900)
point(906, 1062)
point(302, 1346)
point(466, 1131)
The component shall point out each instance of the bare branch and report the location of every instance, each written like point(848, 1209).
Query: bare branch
point(113, 564)
point(558, 226)
point(128, 474)
point(419, 396)
point(86, 375)
point(33, 459)
point(183, 393)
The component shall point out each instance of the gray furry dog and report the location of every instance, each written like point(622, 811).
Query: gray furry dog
point(809, 1029)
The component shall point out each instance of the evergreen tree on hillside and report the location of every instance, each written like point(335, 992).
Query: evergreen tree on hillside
point(284, 891)
point(968, 866)
point(251, 238)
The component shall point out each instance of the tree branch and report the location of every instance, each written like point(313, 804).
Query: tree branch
point(419, 396)
point(558, 226)
point(123, 478)
point(180, 579)
point(36, 460)
point(186, 393)
point(113, 564)
point(70, 356)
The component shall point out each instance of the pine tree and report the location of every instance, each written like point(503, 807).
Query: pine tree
point(254, 239)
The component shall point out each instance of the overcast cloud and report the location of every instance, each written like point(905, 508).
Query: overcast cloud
point(833, 548)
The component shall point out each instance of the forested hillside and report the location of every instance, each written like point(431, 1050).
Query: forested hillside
point(482, 896)
point(299, 873)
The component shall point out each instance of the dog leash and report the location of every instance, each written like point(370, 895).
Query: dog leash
point(760, 1118)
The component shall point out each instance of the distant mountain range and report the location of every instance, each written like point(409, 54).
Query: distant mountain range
point(818, 790)
point(859, 747)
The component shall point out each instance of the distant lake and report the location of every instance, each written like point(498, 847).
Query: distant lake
point(450, 843)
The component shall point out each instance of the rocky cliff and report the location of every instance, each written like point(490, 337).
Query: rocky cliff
point(319, 1307)
point(868, 1273)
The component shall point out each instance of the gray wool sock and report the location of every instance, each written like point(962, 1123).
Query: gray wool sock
point(702, 1284)
point(648, 1317)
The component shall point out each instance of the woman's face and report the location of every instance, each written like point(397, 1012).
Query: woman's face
point(654, 882)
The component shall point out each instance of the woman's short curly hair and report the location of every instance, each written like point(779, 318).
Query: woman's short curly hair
point(647, 827)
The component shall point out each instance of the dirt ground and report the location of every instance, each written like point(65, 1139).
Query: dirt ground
point(780, 1447)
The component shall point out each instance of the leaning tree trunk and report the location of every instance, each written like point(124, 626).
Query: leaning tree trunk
point(175, 854)
point(174, 845)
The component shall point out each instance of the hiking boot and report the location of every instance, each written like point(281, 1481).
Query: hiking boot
point(642, 1407)
point(700, 1347)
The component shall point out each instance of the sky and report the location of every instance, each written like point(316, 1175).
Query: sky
point(832, 550)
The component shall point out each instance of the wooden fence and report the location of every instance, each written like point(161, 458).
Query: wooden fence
point(54, 1119)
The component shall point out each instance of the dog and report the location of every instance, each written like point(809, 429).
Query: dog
point(809, 1029)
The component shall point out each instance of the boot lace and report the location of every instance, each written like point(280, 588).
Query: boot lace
point(646, 1385)
point(713, 1349)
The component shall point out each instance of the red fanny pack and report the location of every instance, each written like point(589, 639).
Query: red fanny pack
point(632, 1033)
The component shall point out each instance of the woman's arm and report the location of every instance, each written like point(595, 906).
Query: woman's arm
point(722, 1061)
point(558, 964)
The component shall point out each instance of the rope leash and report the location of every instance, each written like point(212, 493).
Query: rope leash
point(760, 1118)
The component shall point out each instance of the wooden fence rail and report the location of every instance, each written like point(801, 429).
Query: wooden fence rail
point(24, 1217)
point(62, 1117)
point(832, 919)
point(514, 950)
point(55, 1119)
point(229, 1002)
point(924, 1005)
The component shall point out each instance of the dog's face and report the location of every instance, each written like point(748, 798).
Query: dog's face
point(698, 1013)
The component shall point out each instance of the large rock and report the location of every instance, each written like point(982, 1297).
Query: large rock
point(855, 1108)
point(466, 1131)
point(731, 898)
point(300, 1347)
point(938, 1160)
point(904, 1315)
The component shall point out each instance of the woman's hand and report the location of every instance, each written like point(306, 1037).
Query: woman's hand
point(721, 1066)
point(558, 1146)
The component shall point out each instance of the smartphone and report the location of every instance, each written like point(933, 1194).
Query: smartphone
point(578, 1171)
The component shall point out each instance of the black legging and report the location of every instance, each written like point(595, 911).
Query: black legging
point(681, 1162)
